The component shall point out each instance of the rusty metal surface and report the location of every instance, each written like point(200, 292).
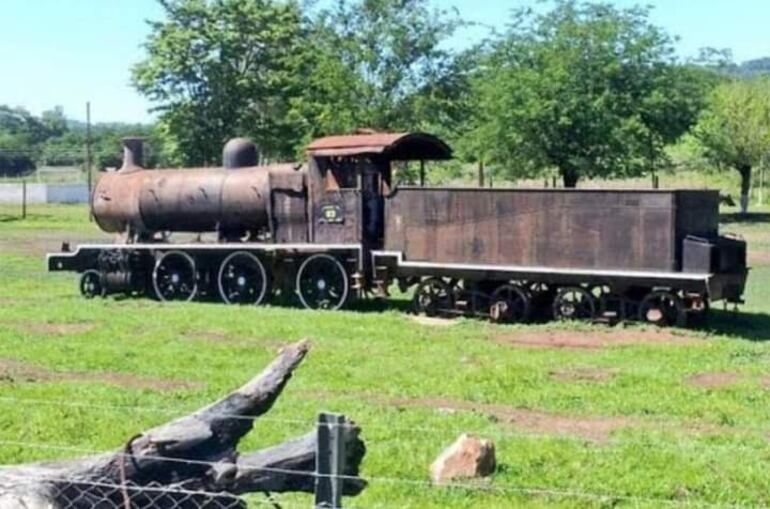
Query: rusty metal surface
point(185, 200)
point(239, 153)
point(584, 229)
point(395, 146)
point(345, 226)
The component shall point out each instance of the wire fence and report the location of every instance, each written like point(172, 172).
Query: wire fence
point(72, 492)
point(79, 492)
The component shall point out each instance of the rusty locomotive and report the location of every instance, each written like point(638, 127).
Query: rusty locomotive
point(337, 227)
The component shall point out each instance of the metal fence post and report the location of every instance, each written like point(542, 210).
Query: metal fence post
point(330, 461)
point(24, 199)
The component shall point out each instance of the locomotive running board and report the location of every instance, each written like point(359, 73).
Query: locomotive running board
point(66, 259)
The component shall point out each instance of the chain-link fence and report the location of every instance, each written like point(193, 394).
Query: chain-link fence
point(106, 494)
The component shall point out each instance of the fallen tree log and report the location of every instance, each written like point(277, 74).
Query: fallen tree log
point(191, 461)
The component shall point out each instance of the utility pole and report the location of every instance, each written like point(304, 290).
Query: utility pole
point(481, 173)
point(88, 156)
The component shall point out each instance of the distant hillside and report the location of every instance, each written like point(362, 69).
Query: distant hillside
point(749, 68)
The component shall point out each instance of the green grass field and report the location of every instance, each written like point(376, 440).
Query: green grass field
point(587, 416)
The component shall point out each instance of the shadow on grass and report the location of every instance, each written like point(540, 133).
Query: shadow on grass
point(751, 217)
point(380, 305)
point(750, 326)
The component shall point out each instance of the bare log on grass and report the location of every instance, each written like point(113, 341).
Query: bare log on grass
point(191, 461)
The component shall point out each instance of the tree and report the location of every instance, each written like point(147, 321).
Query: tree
point(21, 136)
point(734, 129)
point(588, 89)
point(54, 122)
point(223, 68)
point(381, 64)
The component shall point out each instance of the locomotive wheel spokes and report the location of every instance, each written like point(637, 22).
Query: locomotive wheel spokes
point(433, 296)
point(92, 284)
point(174, 277)
point(574, 303)
point(242, 279)
point(510, 304)
point(662, 308)
point(322, 283)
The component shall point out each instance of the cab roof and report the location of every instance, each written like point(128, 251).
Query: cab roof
point(394, 146)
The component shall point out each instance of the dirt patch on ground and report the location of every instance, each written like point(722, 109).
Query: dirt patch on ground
point(57, 328)
point(714, 380)
point(432, 321)
point(590, 339)
point(13, 370)
point(225, 338)
point(583, 374)
point(592, 427)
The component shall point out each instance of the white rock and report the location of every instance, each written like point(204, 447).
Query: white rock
point(468, 457)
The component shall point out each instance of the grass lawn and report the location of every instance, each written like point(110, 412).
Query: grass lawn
point(581, 415)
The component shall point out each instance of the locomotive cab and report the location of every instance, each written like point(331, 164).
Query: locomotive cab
point(349, 178)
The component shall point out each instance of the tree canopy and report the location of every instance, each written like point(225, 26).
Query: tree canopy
point(588, 89)
point(221, 68)
point(734, 129)
point(268, 70)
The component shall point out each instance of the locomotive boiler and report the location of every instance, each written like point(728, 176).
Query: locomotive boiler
point(337, 227)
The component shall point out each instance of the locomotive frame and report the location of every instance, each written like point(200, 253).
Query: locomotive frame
point(337, 228)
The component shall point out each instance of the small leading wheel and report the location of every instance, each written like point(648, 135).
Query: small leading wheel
point(510, 304)
point(92, 284)
point(662, 308)
point(433, 296)
point(174, 277)
point(574, 303)
point(242, 279)
point(322, 283)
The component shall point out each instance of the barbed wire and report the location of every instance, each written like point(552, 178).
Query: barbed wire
point(433, 430)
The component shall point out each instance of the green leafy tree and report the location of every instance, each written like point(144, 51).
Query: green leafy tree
point(734, 129)
point(585, 88)
point(223, 68)
point(21, 138)
point(382, 64)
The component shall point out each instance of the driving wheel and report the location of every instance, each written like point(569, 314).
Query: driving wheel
point(174, 277)
point(242, 279)
point(322, 283)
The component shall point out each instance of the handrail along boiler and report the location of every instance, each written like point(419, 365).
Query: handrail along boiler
point(337, 227)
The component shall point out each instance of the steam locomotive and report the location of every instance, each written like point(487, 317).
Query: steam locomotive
point(337, 228)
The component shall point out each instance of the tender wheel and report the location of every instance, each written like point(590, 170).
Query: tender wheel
point(574, 303)
point(174, 277)
point(322, 283)
point(242, 279)
point(510, 304)
point(92, 284)
point(433, 296)
point(662, 308)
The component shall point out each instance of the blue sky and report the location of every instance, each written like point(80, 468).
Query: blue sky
point(65, 52)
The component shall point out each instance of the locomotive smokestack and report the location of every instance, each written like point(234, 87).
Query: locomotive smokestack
point(133, 152)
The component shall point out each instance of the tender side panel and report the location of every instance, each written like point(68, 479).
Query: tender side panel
point(626, 230)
